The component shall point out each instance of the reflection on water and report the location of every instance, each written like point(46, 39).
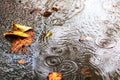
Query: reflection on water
point(96, 58)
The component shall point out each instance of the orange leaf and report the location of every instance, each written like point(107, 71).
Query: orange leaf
point(86, 72)
point(21, 61)
point(20, 43)
point(54, 76)
point(25, 37)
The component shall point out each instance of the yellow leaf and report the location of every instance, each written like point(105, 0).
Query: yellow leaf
point(19, 27)
point(17, 33)
point(48, 34)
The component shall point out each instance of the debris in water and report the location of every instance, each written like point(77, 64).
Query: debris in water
point(25, 37)
point(19, 27)
point(47, 14)
point(17, 33)
point(21, 61)
point(83, 38)
point(20, 43)
point(54, 76)
point(35, 11)
point(85, 72)
point(55, 8)
point(48, 34)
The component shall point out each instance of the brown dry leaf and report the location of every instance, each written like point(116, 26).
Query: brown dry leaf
point(25, 37)
point(17, 33)
point(20, 43)
point(85, 72)
point(21, 61)
point(35, 11)
point(54, 76)
point(19, 27)
point(55, 8)
point(47, 14)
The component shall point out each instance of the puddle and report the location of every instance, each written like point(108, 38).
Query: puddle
point(96, 58)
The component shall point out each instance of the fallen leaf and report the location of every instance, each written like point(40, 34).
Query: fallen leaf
point(24, 37)
point(20, 43)
point(47, 14)
point(54, 76)
point(86, 72)
point(48, 34)
point(55, 8)
point(17, 33)
point(21, 61)
point(35, 10)
point(19, 27)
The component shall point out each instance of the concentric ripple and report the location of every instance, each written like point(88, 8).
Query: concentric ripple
point(106, 43)
point(53, 60)
point(68, 67)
